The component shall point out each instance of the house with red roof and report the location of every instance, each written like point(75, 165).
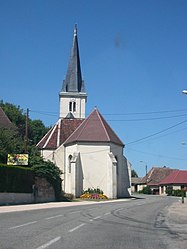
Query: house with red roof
point(154, 177)
point(86, 149)
point(176, 180)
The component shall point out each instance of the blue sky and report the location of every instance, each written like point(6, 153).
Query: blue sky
point(134, 64)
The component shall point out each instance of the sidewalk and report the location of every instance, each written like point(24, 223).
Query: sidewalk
point(177, 222)
point(177, 212)
point(26, 207)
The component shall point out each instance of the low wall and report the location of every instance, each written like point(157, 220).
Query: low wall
point(16, 198)
point(42, 192)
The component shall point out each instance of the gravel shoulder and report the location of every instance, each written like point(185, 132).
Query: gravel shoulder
point(177, 223)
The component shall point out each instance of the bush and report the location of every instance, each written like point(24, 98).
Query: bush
point(93, 190)
point(177, 192)
point(14, 179)
point(146, 190)
point(52, 174)
point(66, 196)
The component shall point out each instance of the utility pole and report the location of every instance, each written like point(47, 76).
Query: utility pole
point(26, 130)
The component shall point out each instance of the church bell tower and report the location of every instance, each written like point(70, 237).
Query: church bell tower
point(73, 95)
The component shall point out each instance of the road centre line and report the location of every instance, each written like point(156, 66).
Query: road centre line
point(96, 217)
point(75, 212)
point(22, 225)
point(53, 217)
point(107, 213)
point(75, 228)
point(49, 243)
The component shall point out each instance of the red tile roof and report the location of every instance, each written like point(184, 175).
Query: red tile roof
point(156, 174)
point(94, 129)
point(176, 177)
point(59, 133)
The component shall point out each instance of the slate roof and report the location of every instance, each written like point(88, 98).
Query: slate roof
point(59, 133)
point(156, 174)
point(176, 177)
point(94, 129)
point(4, 120)
point(73, 81)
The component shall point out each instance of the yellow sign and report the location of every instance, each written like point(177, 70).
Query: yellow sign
point(17, 159)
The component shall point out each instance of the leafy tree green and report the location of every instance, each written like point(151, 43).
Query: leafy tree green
point(133, 173)
point(50, 171)
point(16, 116)
point(10, 142)
point(36, 131)
point(146, 190)
point(36, 128)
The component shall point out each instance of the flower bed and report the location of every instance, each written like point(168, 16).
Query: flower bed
point(94, 196)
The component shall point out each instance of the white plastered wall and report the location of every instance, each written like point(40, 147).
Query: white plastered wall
point(123, 172)
point(98, 169)
point(57, 157)
point(80, 106)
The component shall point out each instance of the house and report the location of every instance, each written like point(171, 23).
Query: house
point(87, 150)
point(153, 178)
point(176, 180)
point(136, 184)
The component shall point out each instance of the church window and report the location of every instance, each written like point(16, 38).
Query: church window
point(72, 106)
point(117, 169)
point(69, 163)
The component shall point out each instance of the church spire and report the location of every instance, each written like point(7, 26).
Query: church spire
point(73, 81)
point(73, 95)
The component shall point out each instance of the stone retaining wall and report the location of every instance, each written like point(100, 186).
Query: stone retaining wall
point(42, 192)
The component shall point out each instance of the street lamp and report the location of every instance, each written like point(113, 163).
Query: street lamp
point(145, 169)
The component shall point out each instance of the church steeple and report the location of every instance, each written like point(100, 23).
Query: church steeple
point(73, 81)
point(73, 94)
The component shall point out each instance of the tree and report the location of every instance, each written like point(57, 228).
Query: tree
point(12, 140)
point(36, 131)
point(16, 116)
point(133, 173)
point(50, 171)
point(36, 128)
point(10, 143)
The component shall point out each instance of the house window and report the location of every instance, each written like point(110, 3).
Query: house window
point(69, 163)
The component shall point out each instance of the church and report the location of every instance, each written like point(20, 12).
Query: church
point(86, 149)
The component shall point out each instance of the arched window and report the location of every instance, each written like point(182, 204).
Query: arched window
point(74, 107)
point(117, 169)
point(70, 106)
point(69, 163)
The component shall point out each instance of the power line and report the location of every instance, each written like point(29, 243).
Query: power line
point(156, 133)
point(158, 155)
point(146, 119)
point(54, 114)
point(146, 113)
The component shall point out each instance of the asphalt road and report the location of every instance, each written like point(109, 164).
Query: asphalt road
point(132, 224)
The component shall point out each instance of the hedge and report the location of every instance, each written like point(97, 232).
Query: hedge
point(15, 179)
